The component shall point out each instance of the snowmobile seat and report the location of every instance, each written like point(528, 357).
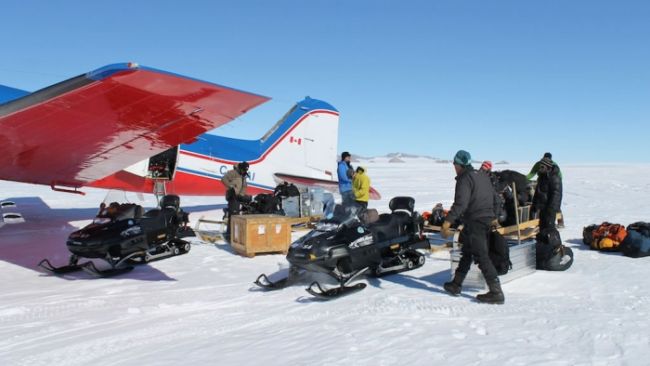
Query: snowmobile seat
point(394, 224)
point(402, 204)
point(402, 208)
point(129, 211)
point(157, 220)
point(152, 213)
point(390, 225)
point(387, 227)
point(170, 201)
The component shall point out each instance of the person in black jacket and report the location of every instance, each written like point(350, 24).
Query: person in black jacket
point(474, 204)
point(548, 193)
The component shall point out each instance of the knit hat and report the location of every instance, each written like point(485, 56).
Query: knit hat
point(463, 158)
point(345, 155)
point(243, 166)
point(548, 155)
point(487, 165)
point(547, 162)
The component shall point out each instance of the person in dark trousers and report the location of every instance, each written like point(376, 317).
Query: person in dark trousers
point(474, 205)
point(548, 193)
point(535, 169)
point(235, 182)
point(345, 174)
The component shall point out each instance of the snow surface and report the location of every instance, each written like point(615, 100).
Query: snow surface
point(202, 308)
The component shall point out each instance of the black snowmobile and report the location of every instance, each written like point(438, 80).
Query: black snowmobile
point(123, 235)
point(353, 242)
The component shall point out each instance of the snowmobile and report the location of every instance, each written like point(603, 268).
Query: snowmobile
point(123, 235)
point(353, 242)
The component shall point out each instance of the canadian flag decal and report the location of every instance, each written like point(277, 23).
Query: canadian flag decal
point(295, 140)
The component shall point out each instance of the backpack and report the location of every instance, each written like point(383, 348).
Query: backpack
point(560, 260)
point(551, 254)
point(608, 236)
point(286, 190)
point(641, 227)
point(437, 216)
point(499, 252)
point(266, 203)
point(637, 242)
point(588, 234)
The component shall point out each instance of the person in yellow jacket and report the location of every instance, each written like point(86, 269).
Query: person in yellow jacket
point(361, 187)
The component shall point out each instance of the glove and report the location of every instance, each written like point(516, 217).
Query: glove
point(445, 230)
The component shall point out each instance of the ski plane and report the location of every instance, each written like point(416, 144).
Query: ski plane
point(135, 128)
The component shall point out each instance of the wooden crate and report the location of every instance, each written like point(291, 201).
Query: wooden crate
point(253, 234)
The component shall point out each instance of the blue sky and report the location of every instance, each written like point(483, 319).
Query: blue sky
point(505, 80)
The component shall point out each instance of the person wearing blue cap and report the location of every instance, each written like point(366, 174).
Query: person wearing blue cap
point(474, 205)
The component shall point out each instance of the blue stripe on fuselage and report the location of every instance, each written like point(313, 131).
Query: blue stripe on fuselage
point(215, 176)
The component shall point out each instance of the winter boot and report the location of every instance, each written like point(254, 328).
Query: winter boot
point(494, 296)
point(456, 285)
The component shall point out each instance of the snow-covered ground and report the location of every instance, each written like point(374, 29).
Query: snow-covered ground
point(202, 308)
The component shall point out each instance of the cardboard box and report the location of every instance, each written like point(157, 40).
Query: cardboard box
point(253, 234)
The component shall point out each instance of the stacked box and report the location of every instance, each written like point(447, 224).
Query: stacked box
point(291, 206)
point(252, 234)
point(522, 257)
point(312, 202)
point(309, 203)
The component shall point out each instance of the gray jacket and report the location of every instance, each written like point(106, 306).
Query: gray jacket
point(475, 197)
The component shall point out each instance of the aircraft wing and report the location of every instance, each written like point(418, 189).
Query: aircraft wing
point(329, 185)
point(88, 127)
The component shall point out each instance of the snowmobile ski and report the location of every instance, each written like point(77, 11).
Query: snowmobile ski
point(264, 282)
point(317, 291)
point(89, 267)
point(47, 266)
point(117, 266)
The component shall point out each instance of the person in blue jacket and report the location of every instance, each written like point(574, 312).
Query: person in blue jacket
point(345, 174)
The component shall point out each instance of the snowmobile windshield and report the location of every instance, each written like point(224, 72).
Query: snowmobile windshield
point(344, 215)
